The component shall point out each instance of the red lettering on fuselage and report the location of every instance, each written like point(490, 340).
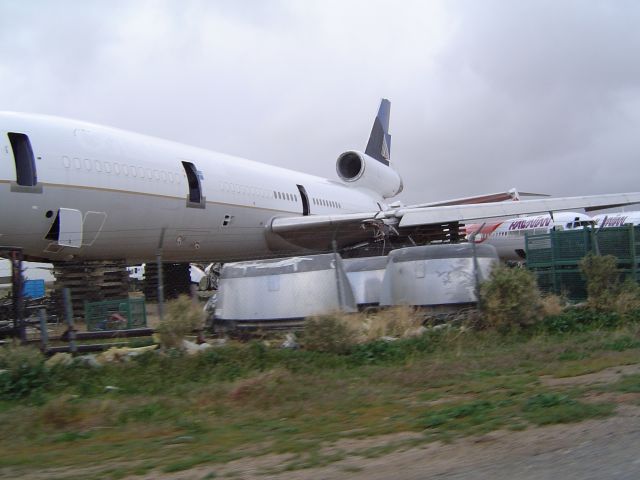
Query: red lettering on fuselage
point(536, 222)
point(614, 221)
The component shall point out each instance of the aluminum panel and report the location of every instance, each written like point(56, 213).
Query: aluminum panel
point(274, 290)
point(434, 279)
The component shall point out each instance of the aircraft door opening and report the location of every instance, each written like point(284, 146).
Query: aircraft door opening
point(67, 228)
point(305, 200)
point(194, 197)
point(25, 162)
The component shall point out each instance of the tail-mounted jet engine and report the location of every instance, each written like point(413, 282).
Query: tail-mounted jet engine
point(362, 171)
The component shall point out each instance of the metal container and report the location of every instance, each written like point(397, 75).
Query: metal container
point(365, 276)
point(436, 275)
point(282, 289)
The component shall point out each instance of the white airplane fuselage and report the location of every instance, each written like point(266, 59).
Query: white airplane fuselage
point(121, 195)
point(618, 219)
point(508, 236)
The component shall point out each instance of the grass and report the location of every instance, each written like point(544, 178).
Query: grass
point(176, 412)
point(550, 408)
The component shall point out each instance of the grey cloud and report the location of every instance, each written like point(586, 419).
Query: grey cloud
point(485, 95)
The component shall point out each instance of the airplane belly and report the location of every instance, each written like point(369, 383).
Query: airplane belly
point(506, 247)
point(132, 226)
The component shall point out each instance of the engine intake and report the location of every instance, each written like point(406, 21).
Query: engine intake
point(362, 171)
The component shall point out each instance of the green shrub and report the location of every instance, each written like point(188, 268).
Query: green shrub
point(603, 281)
point(510, 299)
point(627, 301)
point(23, 371)
point(182, 318)
point(328, 333)
point(550, 408)
point(580, 320)
point(605, 292)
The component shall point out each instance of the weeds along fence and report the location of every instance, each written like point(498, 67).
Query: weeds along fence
point(554, 257)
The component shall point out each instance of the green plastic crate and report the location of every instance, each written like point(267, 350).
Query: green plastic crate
point(122, 314)
point(555, 257)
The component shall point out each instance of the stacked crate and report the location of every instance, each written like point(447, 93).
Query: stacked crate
point(555, 257)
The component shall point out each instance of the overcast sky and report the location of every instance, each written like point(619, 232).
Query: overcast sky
point(486, 95)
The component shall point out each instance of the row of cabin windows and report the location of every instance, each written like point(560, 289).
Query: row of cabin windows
point(285, 196)
point(26, 173)
point(326, 203)
point(121, 169)
point(244, 189)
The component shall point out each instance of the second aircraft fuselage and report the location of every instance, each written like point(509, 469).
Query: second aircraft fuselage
point(118, 195)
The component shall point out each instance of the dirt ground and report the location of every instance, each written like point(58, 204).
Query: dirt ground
point(593, 449)
point(588, 450)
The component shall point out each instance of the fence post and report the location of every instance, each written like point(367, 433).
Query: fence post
point(66, 293)
point(334, 246)
point(44, 333)
point(160, 280)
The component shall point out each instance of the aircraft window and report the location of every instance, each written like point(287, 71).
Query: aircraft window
point(148, 172)
point(66, 161)
point(133, 171)
point(141, 172)
point(163, 174)
point(77, 163)
point(24, 159)
point(568, 225)
point(171, 177)
point(275, 194)
point(87, 164)
point(107, 167)
point(97, 166)
point(195, 198)
point(288, 197)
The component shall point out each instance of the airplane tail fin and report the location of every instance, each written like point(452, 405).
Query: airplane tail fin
point(379, 145)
